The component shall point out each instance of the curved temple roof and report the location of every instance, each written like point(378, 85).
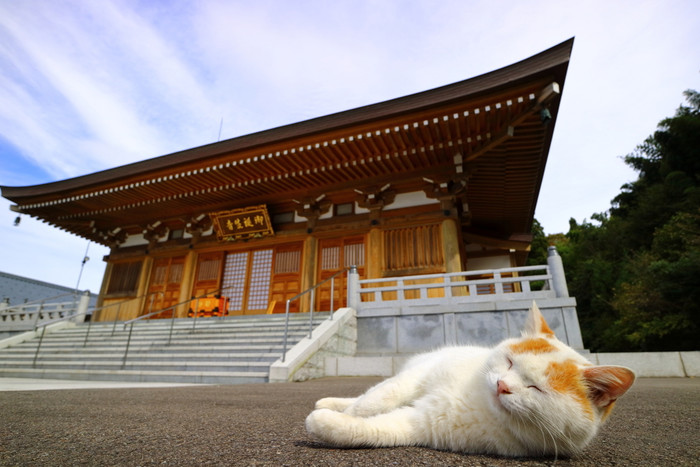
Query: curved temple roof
point(486, 131)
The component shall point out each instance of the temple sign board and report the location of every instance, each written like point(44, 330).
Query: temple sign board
point(242, 224)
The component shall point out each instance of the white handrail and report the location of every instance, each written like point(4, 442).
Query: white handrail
point(310, 290)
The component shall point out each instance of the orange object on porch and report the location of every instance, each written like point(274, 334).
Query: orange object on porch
point(210, 306)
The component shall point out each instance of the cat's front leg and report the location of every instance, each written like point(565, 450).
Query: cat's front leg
point(398, 391)
point(337, 404)
point(339, 429)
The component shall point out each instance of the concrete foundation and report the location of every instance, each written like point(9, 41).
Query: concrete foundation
point(403, 331)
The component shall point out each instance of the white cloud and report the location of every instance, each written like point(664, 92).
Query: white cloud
point(90, 85)
point(39, 252)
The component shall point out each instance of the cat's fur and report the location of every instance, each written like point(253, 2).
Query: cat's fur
point(529, 396)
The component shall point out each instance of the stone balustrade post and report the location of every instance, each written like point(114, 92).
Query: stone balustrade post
point(556, 269)
point(80, 313)
point(353, 299)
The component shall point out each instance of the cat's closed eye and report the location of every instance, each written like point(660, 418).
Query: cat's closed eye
point(510, 363)
point(532, 386)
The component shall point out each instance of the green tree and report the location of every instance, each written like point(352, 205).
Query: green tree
point(538, 246)
point(635, 273)
point(658, 306)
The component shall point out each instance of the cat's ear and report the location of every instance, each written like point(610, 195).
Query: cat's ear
point(535, 324)
point(608, 382)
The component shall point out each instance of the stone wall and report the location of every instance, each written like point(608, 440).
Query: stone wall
point(405, 331)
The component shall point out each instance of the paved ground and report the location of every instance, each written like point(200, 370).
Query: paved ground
point(657, 423)
point(30, 384)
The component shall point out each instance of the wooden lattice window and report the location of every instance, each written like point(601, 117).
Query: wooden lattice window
point(330, 258)
point(259, 290)
point(233, 285)
point(413, 249)
point(354, 255)
point(287, 261)
point(175, 276)
point(124, 278)
point(209, 268)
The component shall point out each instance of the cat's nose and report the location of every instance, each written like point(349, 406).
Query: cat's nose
point(503, 388)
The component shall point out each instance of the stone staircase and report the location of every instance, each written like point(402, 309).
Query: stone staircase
point(232, 350)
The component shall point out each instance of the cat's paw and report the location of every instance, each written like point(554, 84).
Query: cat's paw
point(328, 426)
point(337, 404)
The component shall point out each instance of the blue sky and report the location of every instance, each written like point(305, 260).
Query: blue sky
point(89, 85)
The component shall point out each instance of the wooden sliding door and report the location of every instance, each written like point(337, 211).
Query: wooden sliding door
point(258, 281)
point(164, 286)
point(336, 255)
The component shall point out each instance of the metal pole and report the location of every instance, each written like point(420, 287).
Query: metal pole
point(38, 315)
point(311, 312)
point(286, 330)
point(41, 339)
point(88, 332)
point(172, 324)
point(128, 341)
point(153, 297)
point(196, 312)
point(119, 312)
point(332, 295)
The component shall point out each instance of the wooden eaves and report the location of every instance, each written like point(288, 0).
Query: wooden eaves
point(485, 133)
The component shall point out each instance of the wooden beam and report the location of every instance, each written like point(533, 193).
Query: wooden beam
point(493, 142)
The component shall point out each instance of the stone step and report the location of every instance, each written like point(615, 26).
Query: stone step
point(97, 348)
point(219, 351)
point(224, 328)
point(180, 332)
point(162, 340)
point(272, 320)
point(28, 357)
point(199, 377)
point(178, 365)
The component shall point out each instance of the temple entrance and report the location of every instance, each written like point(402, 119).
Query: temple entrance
point(246, 281)
point(164, 288)
point(260, 281)
point(335, 255)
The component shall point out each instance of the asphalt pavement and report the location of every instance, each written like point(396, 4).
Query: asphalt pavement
point(656, 424)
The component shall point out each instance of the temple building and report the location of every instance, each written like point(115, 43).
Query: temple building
point(441, 181)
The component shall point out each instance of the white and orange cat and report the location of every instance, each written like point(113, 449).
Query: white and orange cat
point(530, 396)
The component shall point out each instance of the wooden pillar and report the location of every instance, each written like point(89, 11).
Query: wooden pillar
point(141, 291)
point(450, 246)
point(451, 250)
point(99, 316)
point(309, 264)
point(188, 271)
point(375, 253)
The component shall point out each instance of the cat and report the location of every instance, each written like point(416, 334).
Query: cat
point(528, 396)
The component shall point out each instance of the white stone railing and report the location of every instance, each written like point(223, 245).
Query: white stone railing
point(406, 315)
point(459, 287)
point(454, 288)
point(28, 316)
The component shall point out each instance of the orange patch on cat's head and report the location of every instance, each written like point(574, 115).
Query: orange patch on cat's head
point(535, 345)
point(565, 378)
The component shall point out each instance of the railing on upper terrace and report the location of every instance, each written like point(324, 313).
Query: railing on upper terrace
point(453, 288)
point(459, 288)
point(28, 316)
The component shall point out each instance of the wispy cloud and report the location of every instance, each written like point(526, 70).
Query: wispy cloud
point(120, 92)
point(88, 85)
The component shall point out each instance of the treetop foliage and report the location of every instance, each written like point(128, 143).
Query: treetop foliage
point(636, 273)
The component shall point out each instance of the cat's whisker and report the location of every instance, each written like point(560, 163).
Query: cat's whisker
point(544, 427)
